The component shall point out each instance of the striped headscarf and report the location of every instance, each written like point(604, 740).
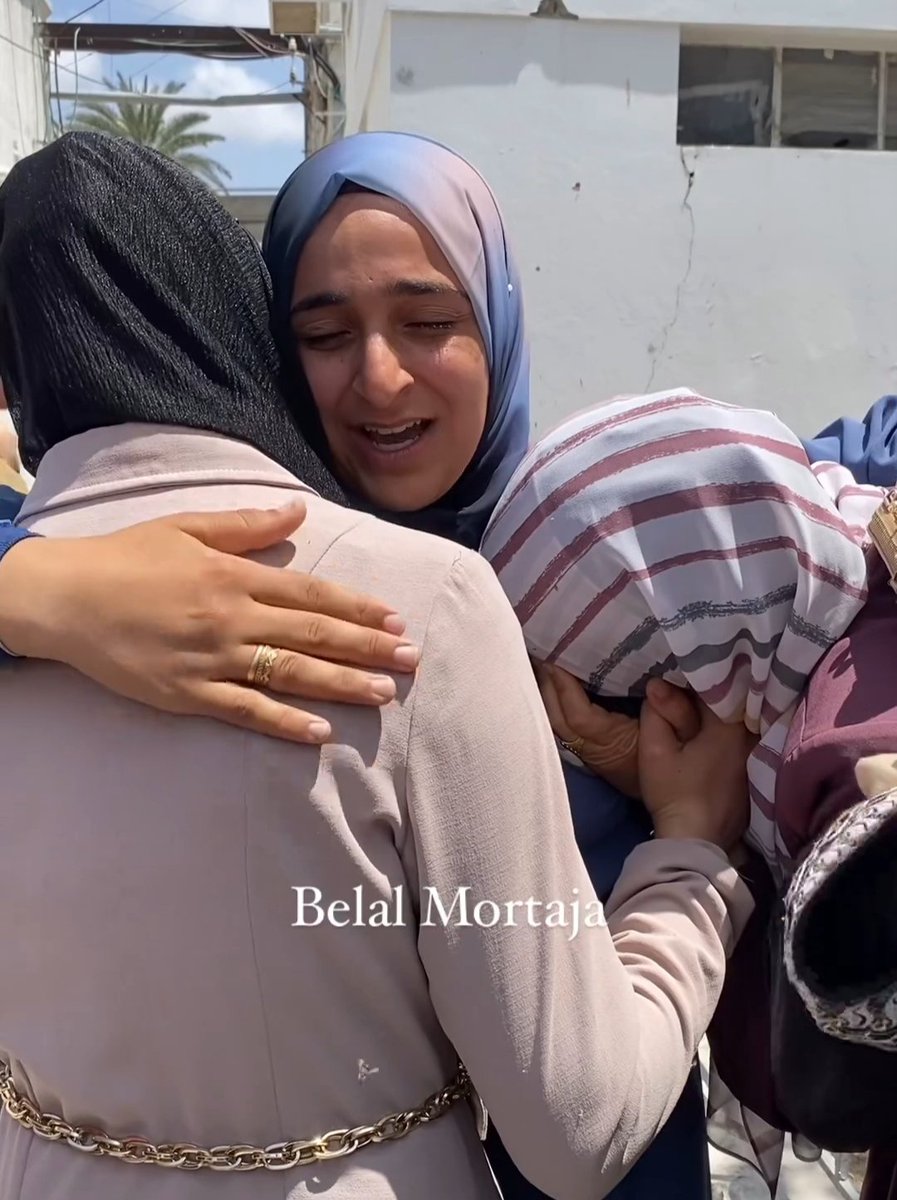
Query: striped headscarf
point(674, 536)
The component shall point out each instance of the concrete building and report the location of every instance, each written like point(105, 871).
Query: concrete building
point(700, 191)
point(24, 104)
point(250, 209)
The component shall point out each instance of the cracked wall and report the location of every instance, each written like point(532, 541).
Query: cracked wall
point(762, 277)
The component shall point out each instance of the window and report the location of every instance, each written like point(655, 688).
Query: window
point(725, 96)
point(890, 104)
point(830, 99)
point(824, 99)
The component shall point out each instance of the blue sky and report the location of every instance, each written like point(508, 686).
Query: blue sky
point(263, 143)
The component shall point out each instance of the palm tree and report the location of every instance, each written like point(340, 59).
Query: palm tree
point(151, 125)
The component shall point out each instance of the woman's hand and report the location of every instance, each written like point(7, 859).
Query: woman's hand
point(606, 742)
point(165, 613)
point(696, 789)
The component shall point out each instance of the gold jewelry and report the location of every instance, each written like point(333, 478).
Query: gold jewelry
point(575, 747)
point(883, 531)
point(281, 1156)
point(262, 664)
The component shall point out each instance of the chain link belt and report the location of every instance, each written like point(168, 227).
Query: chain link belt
point(281, 1156)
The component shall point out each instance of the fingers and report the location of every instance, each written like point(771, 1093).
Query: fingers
point(314, 679)
point(607, 743)
point(657, 736)
point(579, 712)
point(611, 737)
point(242, 530)
point(556, 720)
point(248, 708)
point(310, 593)
point(676, 706)
point(329, 638)
point(570, 710)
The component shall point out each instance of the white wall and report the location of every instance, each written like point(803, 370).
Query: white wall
point(769, 277)
point(367, 83)
point(23, 91)
point(819, 14)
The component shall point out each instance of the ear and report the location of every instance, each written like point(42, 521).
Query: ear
point(877, 775)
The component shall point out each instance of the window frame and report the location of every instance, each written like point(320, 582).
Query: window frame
point(886, 59)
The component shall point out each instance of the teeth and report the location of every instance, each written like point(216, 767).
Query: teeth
point(392, 429)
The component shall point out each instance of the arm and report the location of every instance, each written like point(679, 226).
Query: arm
point(579, 1046)
point(164, 613)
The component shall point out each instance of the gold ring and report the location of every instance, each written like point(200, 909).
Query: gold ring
point(262, 665)
point(575, 747)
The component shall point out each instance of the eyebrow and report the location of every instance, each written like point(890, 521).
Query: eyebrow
point(401, 287)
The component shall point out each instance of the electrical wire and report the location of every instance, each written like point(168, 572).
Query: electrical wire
point(74, 111)
point(153, 62)
point(35, 54)
point(325, 66)
point(83, 12)
point(265, 50)
point(164, 13)
point(59, 121)
point(268, 50)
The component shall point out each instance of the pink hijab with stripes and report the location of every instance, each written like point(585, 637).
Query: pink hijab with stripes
point(671, 535)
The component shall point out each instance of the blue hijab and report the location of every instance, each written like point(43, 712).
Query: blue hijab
point(455, 204)
point(868, 448)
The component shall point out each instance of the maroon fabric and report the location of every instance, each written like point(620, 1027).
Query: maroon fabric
point(766, 1048)
point(740, 1033)
point(848, 711)
point(880, 1182)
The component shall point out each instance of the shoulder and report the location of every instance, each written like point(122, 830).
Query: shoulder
point(411, 570)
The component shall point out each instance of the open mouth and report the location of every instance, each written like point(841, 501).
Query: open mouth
point(392, 438)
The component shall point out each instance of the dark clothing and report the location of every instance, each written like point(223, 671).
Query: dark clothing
point(128, 294)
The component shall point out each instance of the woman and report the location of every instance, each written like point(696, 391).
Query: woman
point(182, 997)
point(79, 584)
point(396, 289)
point(673, 536)
point(490, 367)
point(395, 285)
point(178, 639)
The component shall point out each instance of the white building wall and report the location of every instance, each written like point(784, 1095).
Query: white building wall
point(834, 15)
point(23, 87)
point(763, 276)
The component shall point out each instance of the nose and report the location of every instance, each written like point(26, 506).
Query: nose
point(381, 377)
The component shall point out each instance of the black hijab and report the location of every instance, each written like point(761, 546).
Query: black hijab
point(129, 294)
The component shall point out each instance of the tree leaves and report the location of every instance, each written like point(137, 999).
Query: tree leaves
point(174, 134)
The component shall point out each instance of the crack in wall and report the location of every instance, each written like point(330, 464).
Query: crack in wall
point(657, 352)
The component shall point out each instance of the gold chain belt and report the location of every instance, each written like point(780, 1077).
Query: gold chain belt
point(281, 1156)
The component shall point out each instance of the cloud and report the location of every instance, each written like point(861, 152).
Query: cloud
point(252, 13)
point(78, 72)
point(264, 125)
point(269, 124)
